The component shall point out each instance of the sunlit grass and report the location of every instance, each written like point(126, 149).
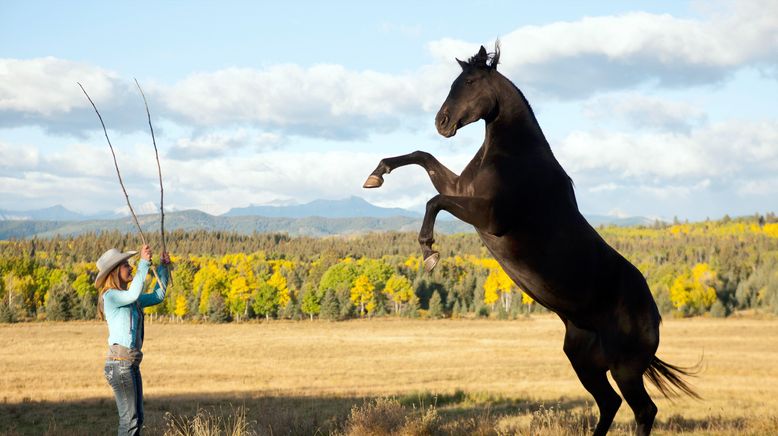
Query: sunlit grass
point(450, 376)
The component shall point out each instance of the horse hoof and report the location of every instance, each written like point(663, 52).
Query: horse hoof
point(431, 261)
point(373, 181)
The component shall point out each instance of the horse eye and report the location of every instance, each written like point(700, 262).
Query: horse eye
point(469, 82)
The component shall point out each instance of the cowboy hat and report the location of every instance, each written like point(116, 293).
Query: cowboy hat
point(108, 261)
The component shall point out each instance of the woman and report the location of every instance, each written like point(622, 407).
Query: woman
point(122, 306)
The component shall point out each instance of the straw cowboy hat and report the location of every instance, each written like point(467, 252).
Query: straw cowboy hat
point(108, 261)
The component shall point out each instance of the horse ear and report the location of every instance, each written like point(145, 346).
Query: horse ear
point(482, 52)
point(462, 64)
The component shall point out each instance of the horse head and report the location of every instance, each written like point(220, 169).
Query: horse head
point(473, 95)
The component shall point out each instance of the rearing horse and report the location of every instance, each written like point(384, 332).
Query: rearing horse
point(521, 202)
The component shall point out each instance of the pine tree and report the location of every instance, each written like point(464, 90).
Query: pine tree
point(330, 308)
point(346, 309)
point(411, 310)
point(86, 301)
point(456, 310)
point(7, 313)
point(292, 309)
point(59, 304)
point(436, 305)
point(217, 309)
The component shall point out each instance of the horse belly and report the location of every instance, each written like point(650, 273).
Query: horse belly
point(554, 275)
point(512, 255)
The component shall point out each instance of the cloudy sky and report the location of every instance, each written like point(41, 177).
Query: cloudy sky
point(655, 108)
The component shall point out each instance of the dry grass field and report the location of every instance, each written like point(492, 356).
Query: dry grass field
point(381, 376)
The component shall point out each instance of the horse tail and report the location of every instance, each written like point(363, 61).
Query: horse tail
point(668, 378)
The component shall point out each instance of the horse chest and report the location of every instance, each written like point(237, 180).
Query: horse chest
point(480, 180)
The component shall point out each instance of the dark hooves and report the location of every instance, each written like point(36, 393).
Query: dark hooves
point(431, 260)
point(373, 181)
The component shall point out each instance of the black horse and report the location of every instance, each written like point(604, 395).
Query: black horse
point(521, 202)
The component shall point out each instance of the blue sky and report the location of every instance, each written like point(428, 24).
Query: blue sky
point(657, 108)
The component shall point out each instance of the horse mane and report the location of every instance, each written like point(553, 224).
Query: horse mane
point(485, 60)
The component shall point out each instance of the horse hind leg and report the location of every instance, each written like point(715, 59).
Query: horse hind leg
point(629, 378)
point(585, 354)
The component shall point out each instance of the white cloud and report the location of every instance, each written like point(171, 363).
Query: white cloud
point(46, 86)
point(645, 112)
point(83, 178)
point(148, 207)
point(668, 191)
point(13, 158)
point(728, 149)
point(604, 187)
point(626, 155)
point(618, 213)
point(580, 58)
point(563, 59)
point(43, 92)
point(763, 187)
point(323, 100)
point(216, 144)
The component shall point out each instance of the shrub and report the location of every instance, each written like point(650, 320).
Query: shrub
point(209, 423)
point(388, 417)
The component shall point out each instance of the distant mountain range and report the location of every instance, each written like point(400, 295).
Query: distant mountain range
point(54, 213)
point(318, 218)
point(347, 208)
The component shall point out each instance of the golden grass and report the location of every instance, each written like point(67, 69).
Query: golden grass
point(311, 374)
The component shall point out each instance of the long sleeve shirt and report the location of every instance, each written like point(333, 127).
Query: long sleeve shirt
point(124, 309)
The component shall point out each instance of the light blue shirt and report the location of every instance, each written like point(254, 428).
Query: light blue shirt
point(123, 308)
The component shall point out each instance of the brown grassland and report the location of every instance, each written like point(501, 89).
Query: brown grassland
point(381, 376)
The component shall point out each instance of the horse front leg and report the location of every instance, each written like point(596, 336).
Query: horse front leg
point(442, 178)
point(475, 211)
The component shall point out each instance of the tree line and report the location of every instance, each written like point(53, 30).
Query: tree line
point(711, 267)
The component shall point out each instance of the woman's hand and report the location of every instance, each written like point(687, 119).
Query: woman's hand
point(165, 258)
point(145, 253)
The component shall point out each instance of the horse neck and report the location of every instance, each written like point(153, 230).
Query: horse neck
point(515, 122)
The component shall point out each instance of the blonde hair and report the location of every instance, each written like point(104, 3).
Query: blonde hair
point(112, 281)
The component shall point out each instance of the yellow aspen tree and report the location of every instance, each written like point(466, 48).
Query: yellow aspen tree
point(505, 286)
point(704, 294)
point(278, 281)
point(211, 278)
point(399, 289)
point(361, 292)
point(181, 307)
point(692, 292)
point(238, 296)
point(413, 263)
point(491, 288)
point(771, 230)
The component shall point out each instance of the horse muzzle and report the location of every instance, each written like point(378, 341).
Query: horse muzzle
point(444, 125)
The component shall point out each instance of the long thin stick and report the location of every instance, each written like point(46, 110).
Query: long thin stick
point(159, 171)
point(119, 174)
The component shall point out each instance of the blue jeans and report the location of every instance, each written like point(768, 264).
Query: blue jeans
point(124, 378)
